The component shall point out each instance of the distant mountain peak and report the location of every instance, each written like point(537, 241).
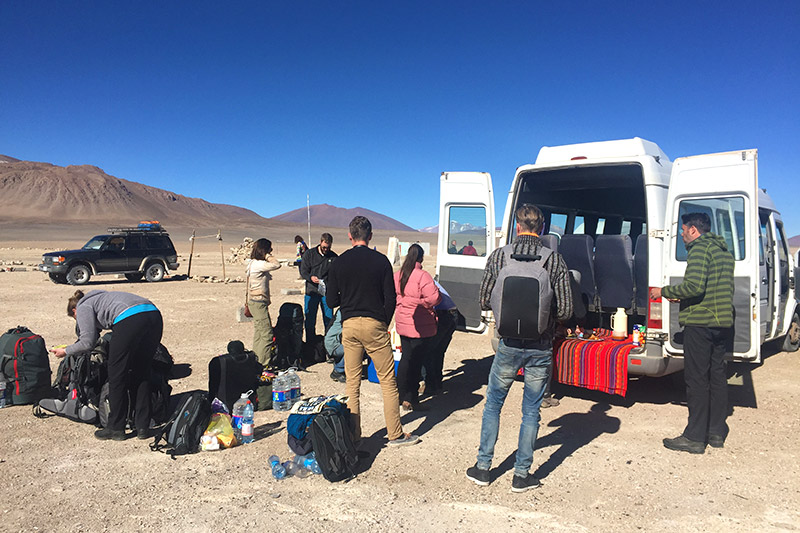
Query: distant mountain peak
point(327, 215)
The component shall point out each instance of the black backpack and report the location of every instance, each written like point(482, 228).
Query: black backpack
point(332, 442)
point(160, 393)
point(25, 364)
point(289, 335)
point(231, 374)
point(184, 428)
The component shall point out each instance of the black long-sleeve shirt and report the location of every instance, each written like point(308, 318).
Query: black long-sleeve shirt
point(360, 282)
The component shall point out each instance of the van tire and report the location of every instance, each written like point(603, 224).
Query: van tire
point(792, 340)
point(154, 272)
point(79, 275)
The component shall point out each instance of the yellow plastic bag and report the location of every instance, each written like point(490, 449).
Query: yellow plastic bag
point(221, 428)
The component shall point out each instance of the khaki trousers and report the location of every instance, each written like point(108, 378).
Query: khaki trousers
point(360, 334)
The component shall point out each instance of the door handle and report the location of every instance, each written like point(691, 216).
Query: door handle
point(764, 280)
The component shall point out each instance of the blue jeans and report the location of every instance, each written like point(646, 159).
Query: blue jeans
point(338, 356)
point(312, 301)
point(507, 362)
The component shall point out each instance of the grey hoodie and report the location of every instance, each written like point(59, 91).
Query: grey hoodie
point(97, 311)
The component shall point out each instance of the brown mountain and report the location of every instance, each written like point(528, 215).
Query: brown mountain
point(45, 192)
point(339, 217)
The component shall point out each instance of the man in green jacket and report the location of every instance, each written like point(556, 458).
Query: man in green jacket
point(706, 314)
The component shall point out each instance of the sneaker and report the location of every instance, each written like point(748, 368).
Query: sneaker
point(338, 376)
point(112, 434)
point(406, 440)
point(521, 484)
point(144, 434)
point(478, 476)
point(550, 402)
point(682, 444)
point(716, 441)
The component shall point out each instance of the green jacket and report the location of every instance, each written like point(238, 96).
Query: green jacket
point(706, 293)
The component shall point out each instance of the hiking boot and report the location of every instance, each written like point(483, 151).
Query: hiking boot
point(478, 476)
point(406, 440)
point(521, 484)
point(112, 434)
point(549, 401)
point(338, 376)
point(682, 444)
point(716, 441)
point(144, 434)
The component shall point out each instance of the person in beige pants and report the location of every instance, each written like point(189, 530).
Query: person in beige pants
point(360, 282)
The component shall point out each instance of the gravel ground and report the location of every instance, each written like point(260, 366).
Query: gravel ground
point(600, 457)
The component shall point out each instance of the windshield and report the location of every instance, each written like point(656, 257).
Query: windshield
point(95, 243)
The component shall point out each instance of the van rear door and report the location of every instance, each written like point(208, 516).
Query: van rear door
point(724, 186)
point(466, 238)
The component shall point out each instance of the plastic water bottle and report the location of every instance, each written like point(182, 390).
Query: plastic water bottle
point(2, 391)
point(281, 400)
point(294, 469)
point(294, 385)
point(242, 421)
point(278, 471)
point(309, 462)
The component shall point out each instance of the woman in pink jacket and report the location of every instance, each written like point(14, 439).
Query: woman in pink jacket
point(415, 322)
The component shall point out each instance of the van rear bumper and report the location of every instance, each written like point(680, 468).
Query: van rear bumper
point(652, 361)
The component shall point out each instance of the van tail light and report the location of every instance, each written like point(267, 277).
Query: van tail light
point(653, 313)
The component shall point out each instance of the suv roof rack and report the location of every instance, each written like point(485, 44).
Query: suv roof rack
point(149, 226)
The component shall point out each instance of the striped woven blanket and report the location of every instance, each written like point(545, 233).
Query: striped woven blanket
point(598, 365)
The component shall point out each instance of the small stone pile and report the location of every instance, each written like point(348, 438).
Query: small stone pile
point(216, 279)
point(240, 254)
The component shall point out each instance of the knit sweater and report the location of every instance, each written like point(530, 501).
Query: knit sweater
point(360, 281)
point(415, 317)
point(706, 293)
point(559, 278)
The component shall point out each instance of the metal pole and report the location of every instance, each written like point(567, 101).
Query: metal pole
point(222, 253)
point(308, 213)
point(191, 251)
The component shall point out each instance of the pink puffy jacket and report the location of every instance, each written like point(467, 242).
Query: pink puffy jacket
point(414, 316)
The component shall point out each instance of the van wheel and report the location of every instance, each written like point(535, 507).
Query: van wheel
point(792, 340)
point(79, 275)
point(57, 278)
point(135, 276)
point(154, 272)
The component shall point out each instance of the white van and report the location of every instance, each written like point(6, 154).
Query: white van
point(612, 209)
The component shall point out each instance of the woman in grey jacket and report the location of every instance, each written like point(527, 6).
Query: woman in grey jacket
point(136, 326)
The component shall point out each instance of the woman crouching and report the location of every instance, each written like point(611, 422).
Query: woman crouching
point(136, 328)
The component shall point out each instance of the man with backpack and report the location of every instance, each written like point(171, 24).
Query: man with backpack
point(526, 286)
point(314, 269)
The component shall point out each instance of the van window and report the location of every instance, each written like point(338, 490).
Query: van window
point(763, 237)
point(558, 224)
point(601, 225)
point(783, 258)
point(467, 232)
point(727, 221)
point(580, 226)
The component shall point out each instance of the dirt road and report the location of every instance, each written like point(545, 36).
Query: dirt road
point(600, 457)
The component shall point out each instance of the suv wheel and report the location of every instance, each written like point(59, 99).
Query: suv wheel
point(134, 276)
point(154, 272)
point(57, 278)
point(79, 275)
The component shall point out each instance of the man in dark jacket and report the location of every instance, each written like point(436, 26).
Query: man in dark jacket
point(706, 313)
point(314, 269)
point(361, 282)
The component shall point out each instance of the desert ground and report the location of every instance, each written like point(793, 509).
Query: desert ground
point(600, 457)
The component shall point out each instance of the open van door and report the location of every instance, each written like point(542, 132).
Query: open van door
point(725, 187)
point(466, 238)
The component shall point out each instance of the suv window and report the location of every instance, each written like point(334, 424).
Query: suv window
point(133, 242)
point(158, 242)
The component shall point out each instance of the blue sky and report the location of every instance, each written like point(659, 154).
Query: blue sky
point(364, 104)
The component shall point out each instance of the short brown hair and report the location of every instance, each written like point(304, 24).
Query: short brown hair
point(360, 228)
point(72, 303)
point(530, 218)
point(327, 238)
point(701, 221)
point(261, 249)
